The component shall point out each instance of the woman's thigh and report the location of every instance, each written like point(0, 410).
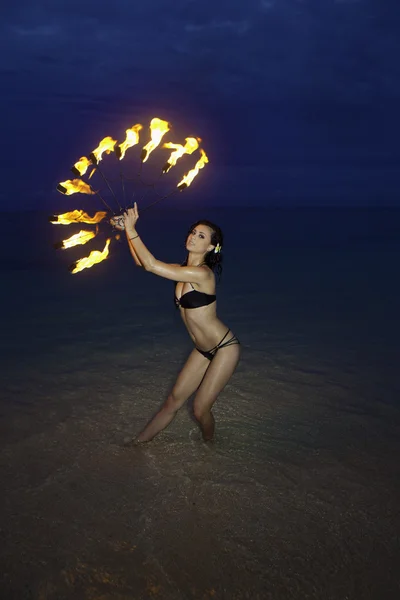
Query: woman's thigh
point(217, 376)
point(190, 376)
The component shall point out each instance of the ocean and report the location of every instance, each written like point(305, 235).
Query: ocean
point(297, 498)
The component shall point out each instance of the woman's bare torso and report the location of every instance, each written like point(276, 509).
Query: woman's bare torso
point(202, 323)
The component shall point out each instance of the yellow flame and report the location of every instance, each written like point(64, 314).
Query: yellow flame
point(132, 138)
point(106, 145)
point(73, 186)
point(158, 128)
point(78, 216)
point(191, 145)
point(94, 257)
point(82, 165)
point(83, 237)
point(188, 178)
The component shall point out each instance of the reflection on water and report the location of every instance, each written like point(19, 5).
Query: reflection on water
point(298, 495)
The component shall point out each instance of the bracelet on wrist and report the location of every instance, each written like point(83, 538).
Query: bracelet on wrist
point(134, 237)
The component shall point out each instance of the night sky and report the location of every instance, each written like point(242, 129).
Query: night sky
point(296, 100)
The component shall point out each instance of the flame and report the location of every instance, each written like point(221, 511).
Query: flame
point(77, 216)
point(83, 237)
point(82, 165)
point(132, 138)
point(106, 145)
point(73, 186)
point(188, 178)
point(191, 145)
point(158, 128)
point(88, 261)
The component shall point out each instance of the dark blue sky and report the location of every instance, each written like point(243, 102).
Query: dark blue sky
point(296, 100)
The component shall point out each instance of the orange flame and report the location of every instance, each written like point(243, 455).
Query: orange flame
point(106, 145)
point(132, 138)
point(77, 216)
point(158, 128)
point(82, 165)
point(88, 261)
point(188, 178)
point(191, 145)
point(83, 237)
point(73, 186)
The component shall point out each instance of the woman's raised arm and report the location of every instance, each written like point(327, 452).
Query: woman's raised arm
point(150, 263)
point(134, 255)
point(118, 223)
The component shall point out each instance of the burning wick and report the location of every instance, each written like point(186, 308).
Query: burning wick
point(77, 216)
point(132, 138)
point(191, 145)
point(74, 186)
point(106, 145)
point(88, 261)
point(83, 237)
point(188, 178)
point(81, 166)
point(158, 128)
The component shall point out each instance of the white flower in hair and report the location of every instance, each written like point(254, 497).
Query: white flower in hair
point(217, 248)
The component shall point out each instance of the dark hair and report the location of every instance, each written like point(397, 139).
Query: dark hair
point(212, 259)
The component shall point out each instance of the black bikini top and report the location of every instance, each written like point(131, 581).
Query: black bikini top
point(194, 299)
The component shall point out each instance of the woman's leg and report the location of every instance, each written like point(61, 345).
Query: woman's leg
point(187, 383)
point(217, 376)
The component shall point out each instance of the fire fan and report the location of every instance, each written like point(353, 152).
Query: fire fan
point(88, 166)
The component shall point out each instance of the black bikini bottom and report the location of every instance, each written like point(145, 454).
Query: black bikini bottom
point(211, 353)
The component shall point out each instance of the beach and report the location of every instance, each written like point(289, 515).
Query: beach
point(297, 497)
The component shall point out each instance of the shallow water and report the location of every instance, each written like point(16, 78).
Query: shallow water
point(297, 497)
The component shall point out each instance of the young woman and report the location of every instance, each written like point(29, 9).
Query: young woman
point(216, 352)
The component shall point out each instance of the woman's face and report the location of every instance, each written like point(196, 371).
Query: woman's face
point(199, 240)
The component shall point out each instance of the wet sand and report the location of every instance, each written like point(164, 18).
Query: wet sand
point(297, 497)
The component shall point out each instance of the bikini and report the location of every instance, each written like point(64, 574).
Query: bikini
point(196, 299)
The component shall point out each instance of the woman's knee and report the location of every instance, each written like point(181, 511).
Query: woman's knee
point(201, 412)
point(172, 403)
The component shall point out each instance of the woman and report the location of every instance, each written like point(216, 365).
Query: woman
point(216, 353)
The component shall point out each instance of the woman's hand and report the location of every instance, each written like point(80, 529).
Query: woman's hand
point(118, 222)
point(131, 218)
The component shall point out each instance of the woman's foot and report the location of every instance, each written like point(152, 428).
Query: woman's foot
point(130, 442)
